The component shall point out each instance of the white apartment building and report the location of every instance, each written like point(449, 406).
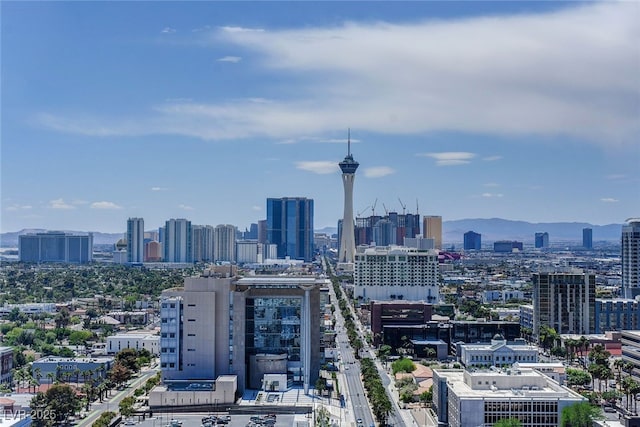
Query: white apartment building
point(464, 398)
point(224, 243)
point(386, 273)
point(136, 341)
point(498, 353)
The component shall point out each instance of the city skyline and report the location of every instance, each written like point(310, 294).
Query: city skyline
point(519, 110)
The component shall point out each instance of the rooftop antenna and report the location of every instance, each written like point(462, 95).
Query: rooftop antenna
point(417, 210)
point(348, 142)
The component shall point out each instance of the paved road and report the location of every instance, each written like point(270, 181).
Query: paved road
point(113, 402)
point(350, 367)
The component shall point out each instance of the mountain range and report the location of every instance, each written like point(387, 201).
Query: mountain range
point(452, 231)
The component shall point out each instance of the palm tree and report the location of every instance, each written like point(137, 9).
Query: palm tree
point(584, 343)
point(52, 377)
point(618, 364)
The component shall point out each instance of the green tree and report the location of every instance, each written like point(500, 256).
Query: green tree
point(403, 365)
point(129, 358)
point(119, 373)
point(62, 400)
point(126, 406)
point(577, 377)
point(581, 414)
point(508, 422)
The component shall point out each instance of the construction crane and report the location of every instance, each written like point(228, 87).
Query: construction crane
point(362, 211)
point(386, 211)
point(404, 207)
point(373, 208)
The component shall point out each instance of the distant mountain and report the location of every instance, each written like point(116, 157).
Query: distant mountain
point(503, 229)
point(11, 239)
point(327, 230)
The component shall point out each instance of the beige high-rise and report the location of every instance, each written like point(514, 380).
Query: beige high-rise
point(432, 229)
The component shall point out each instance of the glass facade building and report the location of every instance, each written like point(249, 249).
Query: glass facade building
point(290, 227)
point(55, 246)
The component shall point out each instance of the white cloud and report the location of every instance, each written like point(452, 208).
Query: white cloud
point(321, 167)
point(571, 72)
point(492, 184)
point(168, 30)
point(491, 158)
point(256, 208)
point(233, 59)
point(105, 205)
point(378, 171)
point(185, 207)
point(609, 200)
point(60, 204)
point(241, 30)
point(18, 207)
point(450, 158)
point(492, 195)
point(159, 188)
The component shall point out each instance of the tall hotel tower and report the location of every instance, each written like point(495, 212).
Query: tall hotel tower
point(347, 241)
point(631, 258)
point(135, 240)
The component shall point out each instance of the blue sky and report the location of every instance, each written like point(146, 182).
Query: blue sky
point(202, 110)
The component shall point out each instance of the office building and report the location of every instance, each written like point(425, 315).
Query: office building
point(195, 340)
point(74, 369)
point(391, 229)
point(587, 238)
point(464, 398)
point(384, 233)
point(55, 246)
point(565, 302)
point(396, 272)
point(347, 248)
point(472, 241)
point(616, 314)
point(498, 353)
point(252, 233)
point(224, 243)
point(177, 241)
point(290, 227)
point(277, 329)
point(507, 246)
point(631, 258)
point(432, 229)
point(541, 240)
point(397, 313)
point(135, 240)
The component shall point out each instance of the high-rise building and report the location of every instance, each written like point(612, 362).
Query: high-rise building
point(224, 243)
point(347, 247)
point(195, 340)
point(432, 229)
point(177, 241)
point(135, 240)
point(290, 226)
point(202, 246)
point(564, 302)
point(541, 240)
point(262, 231)
point(587, 238)
point(631, 258)
point(55, 246)
point(472, 241)
point(507, 246)
point(396, 273)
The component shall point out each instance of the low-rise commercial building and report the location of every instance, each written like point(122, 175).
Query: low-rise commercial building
point(72, 368)
point(136, 341)
point(464, 398)
point(498, 353)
